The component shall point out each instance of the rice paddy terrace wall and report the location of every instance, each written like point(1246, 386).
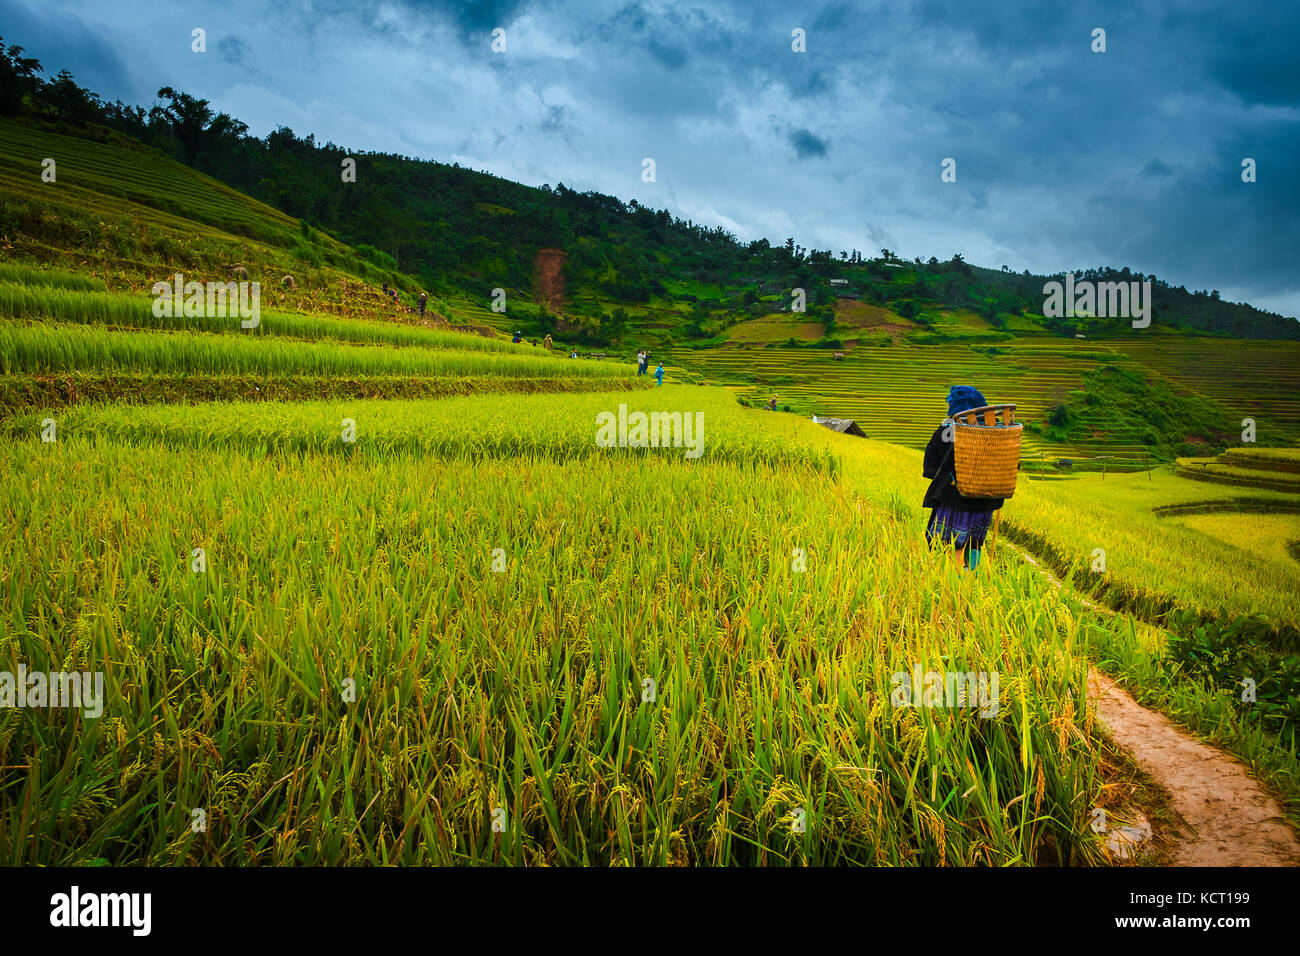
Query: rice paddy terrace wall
point(1276, 469)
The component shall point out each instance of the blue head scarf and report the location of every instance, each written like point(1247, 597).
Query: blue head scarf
point(962, 398)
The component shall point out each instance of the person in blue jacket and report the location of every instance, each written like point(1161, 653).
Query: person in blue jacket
point(659, 373)
point(960, 521)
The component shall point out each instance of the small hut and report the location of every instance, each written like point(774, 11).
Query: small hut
point(845, 426)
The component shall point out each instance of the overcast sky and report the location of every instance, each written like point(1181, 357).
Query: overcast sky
point(1065, 158)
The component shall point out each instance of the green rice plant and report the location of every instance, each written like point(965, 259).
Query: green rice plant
point(116, 168)
point(51, 347)
point(614, 656)
point(1154, 565)
point(1287, 457)
point(24, 393)
point(1276, 474)
point(133, 312)
point(553, 427)
point(897, 395)
point(12, 272)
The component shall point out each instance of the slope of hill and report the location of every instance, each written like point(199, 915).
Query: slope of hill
point(103, 217)
point(617, 276)
point(131, 216)
point(84, 250)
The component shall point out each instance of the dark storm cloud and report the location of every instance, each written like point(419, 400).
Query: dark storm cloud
point(555, 122)
point(674, 58)
point(64, 41)
point(1064, 157)
point(1264, 70)
point(806, 145)
point(472, 17)
point(233, 50)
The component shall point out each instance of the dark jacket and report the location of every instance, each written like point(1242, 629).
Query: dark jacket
point(938, 466)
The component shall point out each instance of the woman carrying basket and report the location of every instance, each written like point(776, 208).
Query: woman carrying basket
point(960, 521)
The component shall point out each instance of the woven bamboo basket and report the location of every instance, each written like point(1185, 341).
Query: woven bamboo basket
point(986, 454)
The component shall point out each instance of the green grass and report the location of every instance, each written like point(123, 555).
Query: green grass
point(16, 275)
point(1279, 459)
point(50, 393)
point(775, 328)
point(53, 348)
point(1268, 536)
point(116, 167)
point(898, 394)
point(518, 689)
point(1277, 475)
point(1154, 565)
point(133, 312)
point(475, 427)
point(123, 217)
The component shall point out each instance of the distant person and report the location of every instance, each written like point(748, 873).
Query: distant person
point(424, 300)
point(546, 342)
point(641, 358)
point(574, 354)
point(518, 337)
point(385, 288)
point(659, 374)
point(955, 519)
point(771, 404)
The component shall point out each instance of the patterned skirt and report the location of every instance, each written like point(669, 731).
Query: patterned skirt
point(960, 528)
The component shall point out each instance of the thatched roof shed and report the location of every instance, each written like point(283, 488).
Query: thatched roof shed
point(845, 426)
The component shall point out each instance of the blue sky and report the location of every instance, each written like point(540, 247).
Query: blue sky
point(1065, 158)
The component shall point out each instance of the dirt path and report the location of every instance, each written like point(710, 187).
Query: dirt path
point(1230, 819)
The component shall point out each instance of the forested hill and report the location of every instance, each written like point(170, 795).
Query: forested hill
point(460, 231)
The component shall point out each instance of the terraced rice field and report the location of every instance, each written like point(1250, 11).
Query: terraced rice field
point(1273, 537)
point(60, 348)
point(1277, 469)
point(500, 599)
point(65, 340)
point(127, 217)
point(1255, 378)
point(897, 394)
point(1156, 560)
point(93, 171)
point(362, 631)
